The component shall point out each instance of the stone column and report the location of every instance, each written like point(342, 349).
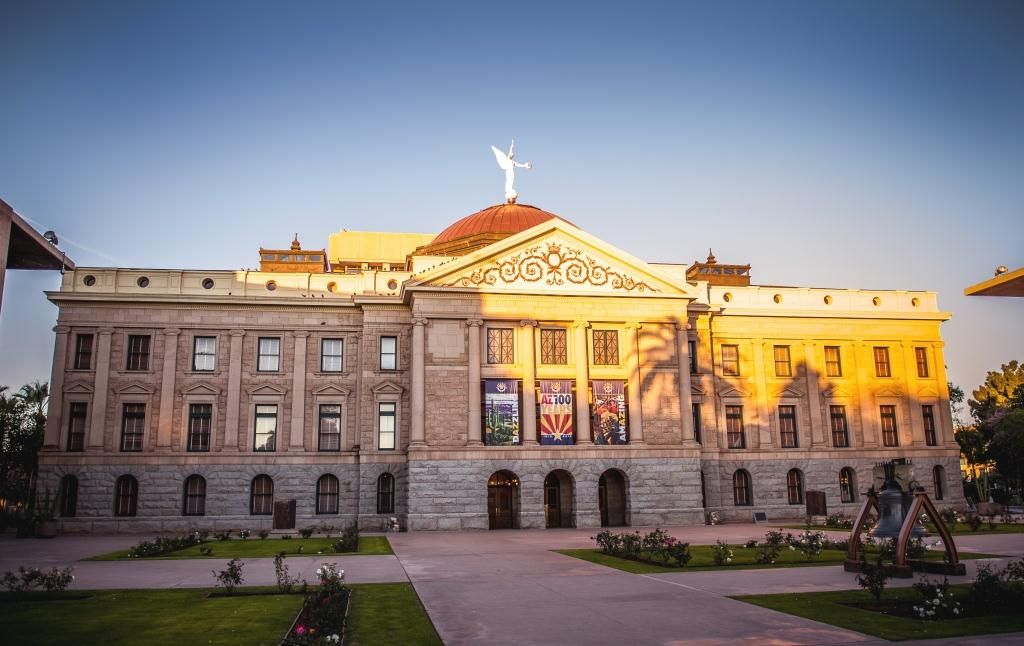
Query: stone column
point(165, 421)
point(98, 419)
point(685, 394)
point(763, 437)
point(417, 378)
point(944, 433)
point(915, 436)
point(582, 382)
point(865, 401)
point(231, 429)
point(473, 437)
point(55, 409)
point(636, 418)
point(811, 372)
point(296, 435)
point(529, 412)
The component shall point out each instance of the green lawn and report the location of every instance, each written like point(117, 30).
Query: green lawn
point(263, 548)
point(960, 529)
point(827, 607)
point(182, 616)
point(388, 613)
point(744, 558)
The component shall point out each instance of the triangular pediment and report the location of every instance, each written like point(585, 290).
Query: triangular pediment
point(201, 388)
point(835, 392)
point(788, 392)
point(268, 389)
point(78, 387)
point(888, 392)
point(387, 388)
point(927, 392)
point(135, 389)
point(332, 390)
point(732, 392)
point(556, 257)
point(696, 390)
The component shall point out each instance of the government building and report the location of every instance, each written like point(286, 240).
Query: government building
point(512, 371)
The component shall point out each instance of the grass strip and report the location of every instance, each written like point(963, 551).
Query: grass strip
point(260, 548)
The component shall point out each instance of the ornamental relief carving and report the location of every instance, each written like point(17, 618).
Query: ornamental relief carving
point(554, 264)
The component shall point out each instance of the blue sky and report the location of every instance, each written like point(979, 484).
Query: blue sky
point(839, 144)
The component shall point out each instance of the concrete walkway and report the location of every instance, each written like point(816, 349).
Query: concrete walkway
point(508, 587)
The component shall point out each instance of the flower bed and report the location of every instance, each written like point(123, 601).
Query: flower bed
point(321, 621)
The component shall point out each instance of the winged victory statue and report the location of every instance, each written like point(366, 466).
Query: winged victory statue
point(508, 164)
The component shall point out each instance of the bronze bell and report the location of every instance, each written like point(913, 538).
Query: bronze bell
point(893, 504)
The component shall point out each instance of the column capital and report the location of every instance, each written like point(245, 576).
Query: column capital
point(683, 327)
point(301, 334)
point(61, 329)
point(419, 321)
point(106, 331)
point(528, 323)
point(237, 332)
point(581, 324)
point(474, 322)
point(172, 331)
point(633, 325)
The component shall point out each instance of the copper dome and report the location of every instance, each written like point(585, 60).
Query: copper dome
point(486, 227)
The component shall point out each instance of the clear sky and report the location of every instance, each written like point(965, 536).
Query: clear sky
point(834, 144)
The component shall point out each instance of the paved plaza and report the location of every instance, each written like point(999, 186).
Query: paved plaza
point(509, 587)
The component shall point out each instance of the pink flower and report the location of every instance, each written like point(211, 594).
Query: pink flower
point(300, 630)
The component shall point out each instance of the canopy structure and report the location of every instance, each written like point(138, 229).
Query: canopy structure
point(22, 247)
point(1008, 283)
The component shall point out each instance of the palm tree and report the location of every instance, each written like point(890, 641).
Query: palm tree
point(36, 394)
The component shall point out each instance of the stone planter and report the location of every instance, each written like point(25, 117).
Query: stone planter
point(46, 529)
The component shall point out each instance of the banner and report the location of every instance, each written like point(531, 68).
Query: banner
point(556, 404)
point(501, 412)
point(609, 413)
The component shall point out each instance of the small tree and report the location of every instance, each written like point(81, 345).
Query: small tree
point(231, 577)
point(873, 578)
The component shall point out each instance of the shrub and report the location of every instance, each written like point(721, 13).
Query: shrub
point(678, 552)
point(839, 520)
point(950, 517)
point(327, 529)
point(286, 537)
point(306, 532)
point(974, 522)
point(323, 611)
point(160, 546)
point(349, 541)
point(938, 601)
point(264, 533)
point(223, 536)
point(916, 549)
point(56, 580)
point(285, 583)
point(631, 545)
point(752, 543)
point(206, 550)
point(997, 591)
point(773, 542)
point(808, 543)
point(609, 542)
point(231, 577)
point(654, 542)
point(245, 533)
point(873, 578)
point(722, 553)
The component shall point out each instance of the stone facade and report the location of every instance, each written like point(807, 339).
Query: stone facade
point(439, 314)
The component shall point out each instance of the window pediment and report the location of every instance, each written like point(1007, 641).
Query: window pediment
point(331, 390)
point(78, 387)
point(201, 388)
point(387, 388)
point(267, 390)
point(136, 389)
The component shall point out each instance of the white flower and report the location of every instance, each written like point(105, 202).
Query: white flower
point(956, 611)
point(728, 560)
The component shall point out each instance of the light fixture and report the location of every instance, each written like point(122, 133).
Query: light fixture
point(51, 237)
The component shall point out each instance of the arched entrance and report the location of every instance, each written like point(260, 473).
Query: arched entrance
point(559, 491)
point(612, 498)
point(503, 500)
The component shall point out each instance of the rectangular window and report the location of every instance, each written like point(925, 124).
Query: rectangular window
point(330, 427)
point(606, 347)
point(389, 353)
point(734, 427)
point(77, 412)
point(833, 363)
point(783, 368)
point(386, 426)
point(882, 362)
point(138, 352)
point(787, 427)
point(133, 422)
point(269, 354)
point(553, 344)
point(840, 431)
point(693, 356)
point(696, 423)
point(927, 412)
point(332, 355)
point(499, 345)
point(731, 360)
point(83, 352)
point(889, 433)
point(265, 428)
point(204, 353)
point(921, 354)
point(200, 419)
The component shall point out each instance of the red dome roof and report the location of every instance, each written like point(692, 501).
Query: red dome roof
point(506, 219)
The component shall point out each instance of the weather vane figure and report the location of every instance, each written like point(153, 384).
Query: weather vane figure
point(508, 164)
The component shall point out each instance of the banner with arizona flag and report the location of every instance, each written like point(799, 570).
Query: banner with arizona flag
point(556, 405)
point(609, 412)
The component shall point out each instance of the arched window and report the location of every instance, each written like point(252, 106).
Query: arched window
point(938, 477)
point(126, 496)
point(795, 486)
point(847, 485)
point(327, 494)
point(261, 501)
point(386, 494)
point(195, 496)
point(741, 489)
point(68, 496)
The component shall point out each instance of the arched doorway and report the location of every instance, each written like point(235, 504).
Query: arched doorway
point(559, 492)
point(503, 500)
point(612, 498)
